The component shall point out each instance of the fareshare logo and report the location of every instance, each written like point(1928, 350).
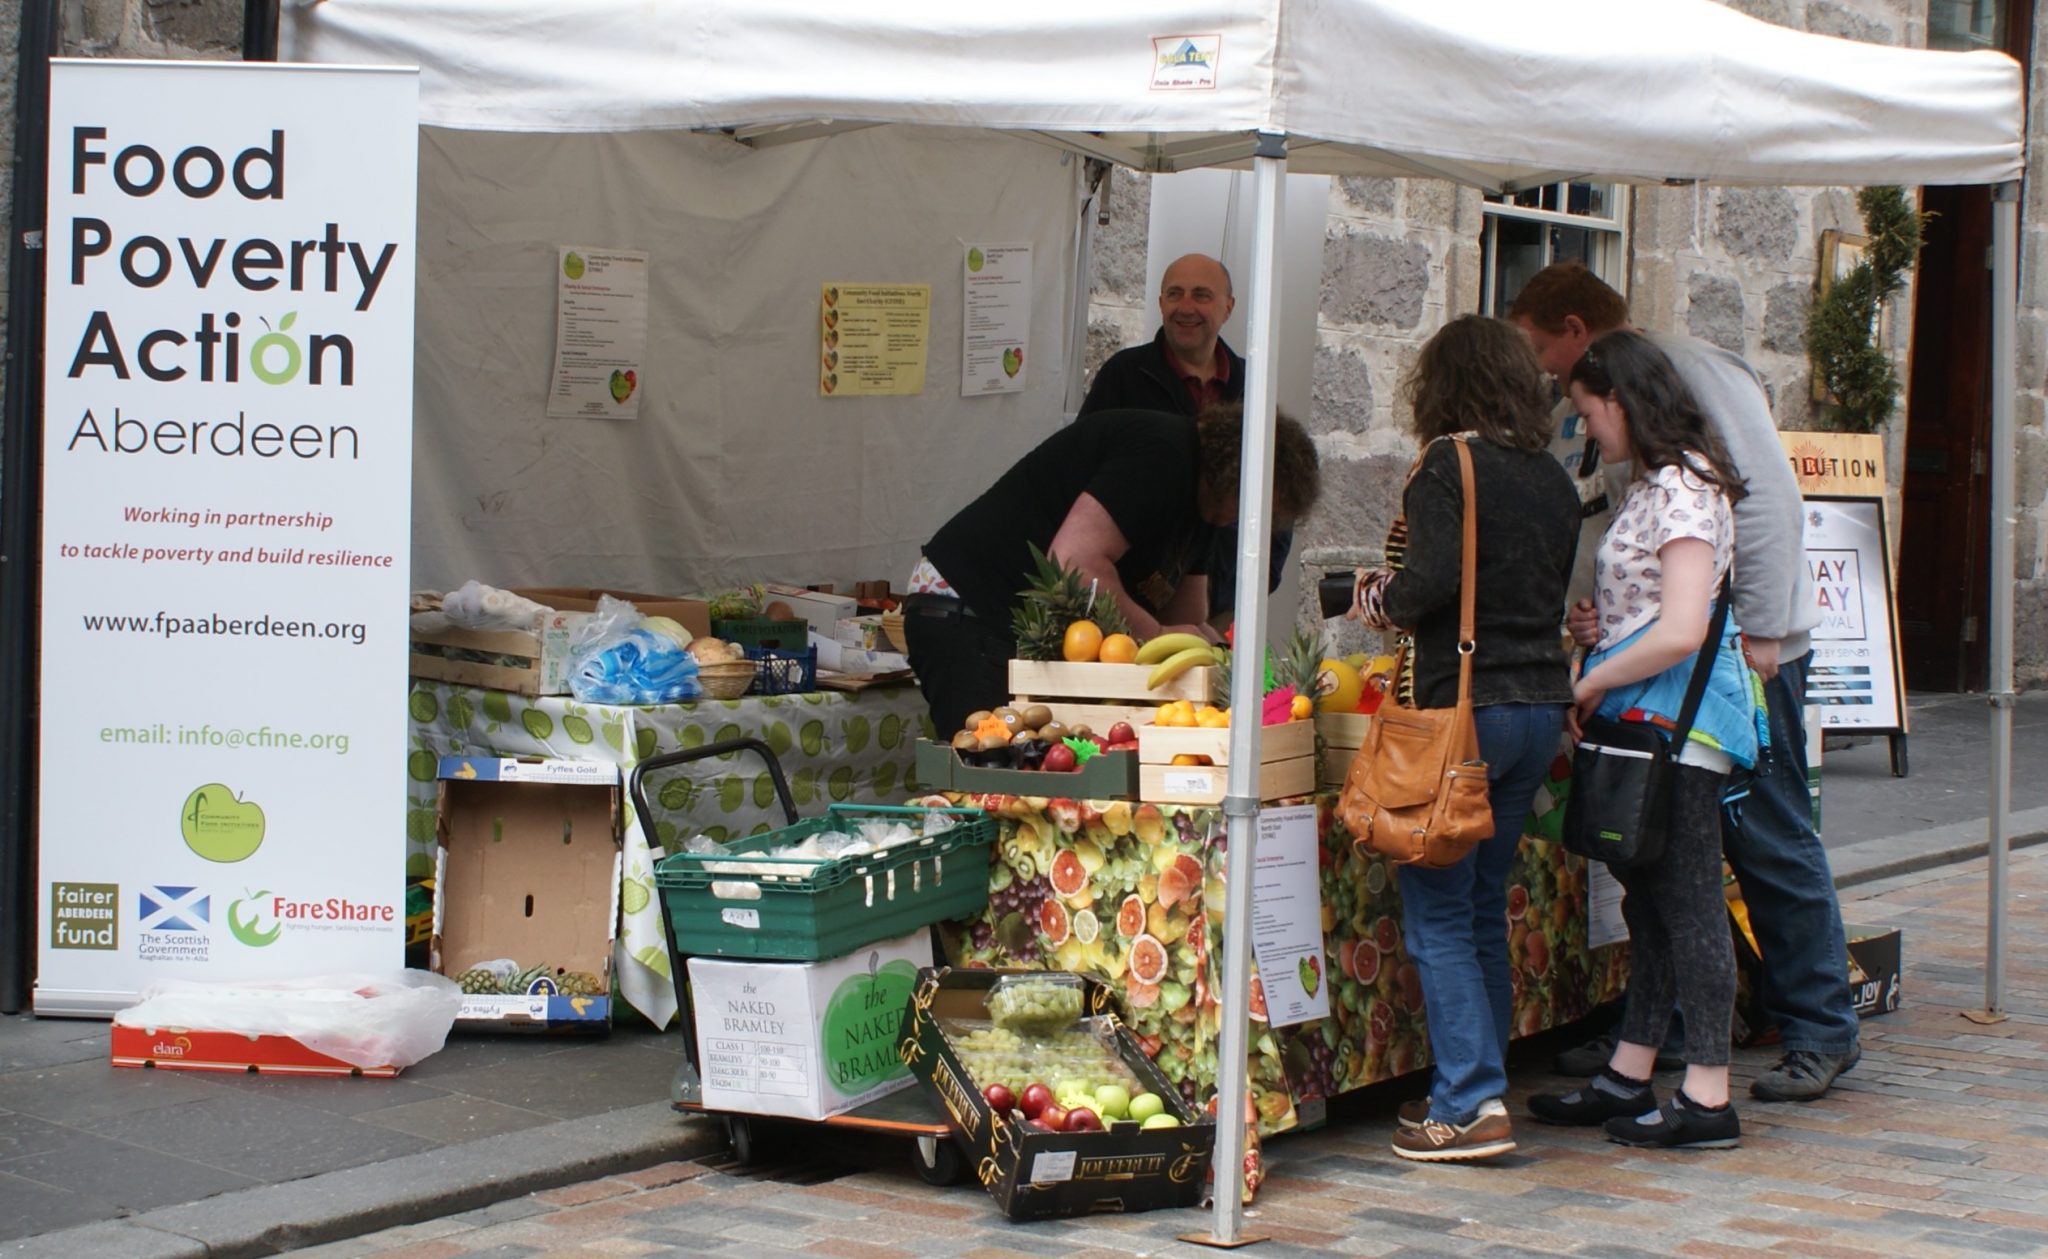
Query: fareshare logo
point(248, 922)
point(218, 826)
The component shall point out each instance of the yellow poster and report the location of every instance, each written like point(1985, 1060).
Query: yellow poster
point(873, 339)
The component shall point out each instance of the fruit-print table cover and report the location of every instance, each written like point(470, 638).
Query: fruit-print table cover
point(1132, 895)
point(835, 747)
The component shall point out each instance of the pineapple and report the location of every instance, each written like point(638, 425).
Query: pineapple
point(525, 981)
point(477, 981)
point(581, 983)
point(1056, 597)
point(1302, 666)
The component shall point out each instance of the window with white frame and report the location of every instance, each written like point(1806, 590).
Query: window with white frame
point(1528, 230)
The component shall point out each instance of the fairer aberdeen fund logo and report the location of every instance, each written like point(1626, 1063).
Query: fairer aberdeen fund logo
point(85, 916)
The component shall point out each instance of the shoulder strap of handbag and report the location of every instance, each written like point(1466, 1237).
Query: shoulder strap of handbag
point(1703, 665)
point(1468, 571)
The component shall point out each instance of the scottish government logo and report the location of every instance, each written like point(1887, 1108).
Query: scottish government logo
point(173, 924)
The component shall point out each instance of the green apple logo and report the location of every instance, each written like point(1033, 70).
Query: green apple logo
point(1013, 360)
point(249, 930)
point(974, 259)
point(259, 353)
point(572, 266)
point(219, 827)
point(622, 384)
point(862, 1023)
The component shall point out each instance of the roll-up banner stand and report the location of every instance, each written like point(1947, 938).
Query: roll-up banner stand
point(1855, 676)
point(226, 524)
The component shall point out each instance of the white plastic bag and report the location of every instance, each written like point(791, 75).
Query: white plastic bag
point(391, 1019)
point(480, 607)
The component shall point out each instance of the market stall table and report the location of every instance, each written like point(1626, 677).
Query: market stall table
point(837, 747)
point(1076, 884)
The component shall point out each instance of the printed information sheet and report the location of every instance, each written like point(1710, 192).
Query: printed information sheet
point(1287, 917)
point(996, 326)
point(875, 339)
point(600, 333)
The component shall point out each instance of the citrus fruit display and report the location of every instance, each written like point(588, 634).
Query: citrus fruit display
point(1083, 642)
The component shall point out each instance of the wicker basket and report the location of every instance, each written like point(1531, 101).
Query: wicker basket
point(726, 680)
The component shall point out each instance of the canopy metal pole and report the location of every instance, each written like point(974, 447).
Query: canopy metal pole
point(2005, 214)
point(1247, 682)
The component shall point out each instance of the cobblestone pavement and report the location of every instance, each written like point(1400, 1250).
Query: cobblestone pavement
point(1933, 1145)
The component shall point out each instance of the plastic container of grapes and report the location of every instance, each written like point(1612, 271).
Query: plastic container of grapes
point(1036, 1005)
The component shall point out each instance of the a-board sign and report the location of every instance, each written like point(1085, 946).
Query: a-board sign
point(1854, 675)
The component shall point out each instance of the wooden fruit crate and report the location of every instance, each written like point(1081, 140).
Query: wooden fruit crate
point(1207, 784)
point(1285, 741)
point(523, 676)
point(1342, 734)
point(1050, 681)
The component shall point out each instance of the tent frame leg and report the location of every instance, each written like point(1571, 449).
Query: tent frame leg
point(2005, 212)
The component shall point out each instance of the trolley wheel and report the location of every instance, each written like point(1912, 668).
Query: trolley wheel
point(937, 1160)
point(739, 1134)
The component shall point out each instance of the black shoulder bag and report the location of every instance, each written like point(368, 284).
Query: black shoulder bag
point(1619, 808)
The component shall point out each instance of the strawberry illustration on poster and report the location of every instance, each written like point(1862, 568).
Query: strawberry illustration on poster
point(600, 333)
point(995, 324)
point(1287, 916)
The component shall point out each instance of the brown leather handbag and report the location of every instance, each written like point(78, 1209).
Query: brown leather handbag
point(1416, 791)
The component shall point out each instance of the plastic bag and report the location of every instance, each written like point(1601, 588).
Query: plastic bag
point(612, 661)
point(480, 607)
point(391, 1019)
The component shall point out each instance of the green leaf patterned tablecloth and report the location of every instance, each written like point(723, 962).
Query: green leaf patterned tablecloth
point(835, 748)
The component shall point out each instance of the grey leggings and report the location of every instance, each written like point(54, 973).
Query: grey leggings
point(1680, 951)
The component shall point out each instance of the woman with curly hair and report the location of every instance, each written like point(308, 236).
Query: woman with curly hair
point(1477, 381)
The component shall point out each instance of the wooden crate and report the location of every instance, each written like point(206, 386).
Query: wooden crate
point(1206, 784)
point(522, 677)
point(1284, 741)
point(1342, 735)
point(1097, 717)
point(1048, 681)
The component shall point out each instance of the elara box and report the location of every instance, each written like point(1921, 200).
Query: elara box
point(1875, 972)
point(188, 1049)
point(804, 1040)
point(1039, 1175)
point(526, 891)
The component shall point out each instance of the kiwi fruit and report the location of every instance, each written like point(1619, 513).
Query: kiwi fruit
point(991, 742)
point(1052, 732)
point(1011, 718)
point(976, 717)
point(965, 741)
point(1036, 716)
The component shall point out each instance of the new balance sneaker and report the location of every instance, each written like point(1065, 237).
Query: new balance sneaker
point(1679, 1124)
point(1590, 1057)
point(1803, 1075)
point(1434, 1141)
point(1604, 1097)
point(1413, 1113)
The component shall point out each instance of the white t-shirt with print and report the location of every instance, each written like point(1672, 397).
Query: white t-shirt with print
point(1667, 504)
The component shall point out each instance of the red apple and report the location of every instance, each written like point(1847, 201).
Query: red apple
point(1121, 732)
point(1000, 1098)
point(1059, 759)
point(1034, 1100)
point(1128, 745)
point(1082, 1119)
point(1054, 1116)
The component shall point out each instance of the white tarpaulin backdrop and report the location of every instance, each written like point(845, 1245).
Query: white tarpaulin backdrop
point(735, 469)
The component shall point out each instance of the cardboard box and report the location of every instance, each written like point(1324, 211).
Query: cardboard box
point(1875, 966)
point(822, 611)
point(526, 889)
point(187, 1049)
point(805, 1040)
point(1039, 1175)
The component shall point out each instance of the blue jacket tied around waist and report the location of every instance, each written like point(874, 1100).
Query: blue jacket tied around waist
point(1731, 716)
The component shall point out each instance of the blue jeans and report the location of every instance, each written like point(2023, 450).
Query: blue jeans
point(1455, 920)
point(1790, 890)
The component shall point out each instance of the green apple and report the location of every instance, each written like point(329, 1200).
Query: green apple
point(1161, 1121)
point(1113, 1101)
point(1146, 1105)
point(219, 827)
point(857, 1043)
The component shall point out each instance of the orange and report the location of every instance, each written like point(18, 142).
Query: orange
point(1118, 649)
point(1213, 718)
point(1083, 641)
point(1300, 708)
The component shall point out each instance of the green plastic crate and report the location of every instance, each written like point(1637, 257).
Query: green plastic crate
point(819, 911)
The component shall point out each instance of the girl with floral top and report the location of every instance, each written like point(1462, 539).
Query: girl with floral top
point(1660, 564)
